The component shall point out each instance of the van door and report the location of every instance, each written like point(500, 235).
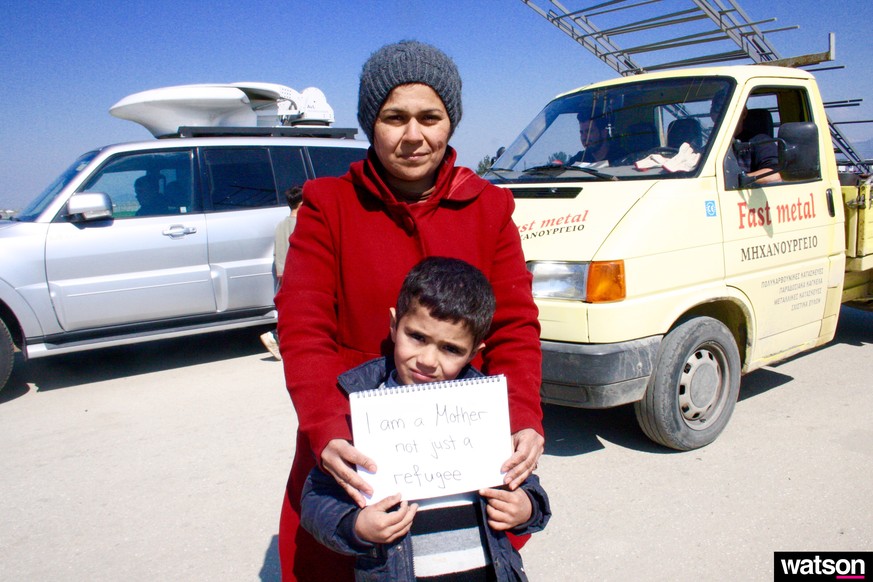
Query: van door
point(778, 234)
point(147, 263)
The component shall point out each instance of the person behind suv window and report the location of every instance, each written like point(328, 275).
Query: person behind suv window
point(294, 196)
point(148, 194)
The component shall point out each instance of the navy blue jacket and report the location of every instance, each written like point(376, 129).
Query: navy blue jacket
point(328, 513)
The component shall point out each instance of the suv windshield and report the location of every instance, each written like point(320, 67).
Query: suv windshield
point(38, 204)
point(628, 131)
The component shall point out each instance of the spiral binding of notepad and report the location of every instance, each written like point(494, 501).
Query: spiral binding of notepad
point(409, 388)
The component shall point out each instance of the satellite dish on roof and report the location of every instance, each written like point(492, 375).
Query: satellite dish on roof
point(162, 111)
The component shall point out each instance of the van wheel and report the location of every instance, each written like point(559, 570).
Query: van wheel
point(694, 387)
point(7, 352)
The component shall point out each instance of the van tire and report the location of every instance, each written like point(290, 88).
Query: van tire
point(694, 387)
point(7, 353)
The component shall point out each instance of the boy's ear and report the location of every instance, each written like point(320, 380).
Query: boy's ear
point(393, 324)
point(475, 351)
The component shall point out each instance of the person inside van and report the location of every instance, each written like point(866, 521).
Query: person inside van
point(755, 128)
point(762, 157)
point(598, 147)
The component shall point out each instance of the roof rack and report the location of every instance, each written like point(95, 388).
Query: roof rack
point(245, 104)
point(720, 30)
point(278, 131)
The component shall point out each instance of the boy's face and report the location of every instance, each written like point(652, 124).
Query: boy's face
point(428, 349)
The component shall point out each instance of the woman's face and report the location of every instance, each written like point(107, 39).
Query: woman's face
point(410, 137)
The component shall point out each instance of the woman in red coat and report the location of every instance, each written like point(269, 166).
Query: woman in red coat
point(356, 238)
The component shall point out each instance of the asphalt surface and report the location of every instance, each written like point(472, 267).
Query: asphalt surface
point(167, 461)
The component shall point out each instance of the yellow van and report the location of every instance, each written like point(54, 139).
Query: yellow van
point(682, 228)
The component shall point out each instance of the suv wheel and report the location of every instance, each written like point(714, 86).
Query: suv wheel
point(7, 352)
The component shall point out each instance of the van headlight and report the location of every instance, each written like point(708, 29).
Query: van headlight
point(593, 282)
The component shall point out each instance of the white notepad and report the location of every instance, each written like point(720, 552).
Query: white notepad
point(430, 440)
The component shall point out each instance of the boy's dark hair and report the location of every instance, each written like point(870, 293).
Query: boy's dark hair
point(294, 196)
point(451, 290)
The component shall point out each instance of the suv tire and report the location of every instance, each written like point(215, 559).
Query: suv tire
point(7, 353)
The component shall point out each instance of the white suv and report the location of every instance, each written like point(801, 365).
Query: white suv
point(156, 239)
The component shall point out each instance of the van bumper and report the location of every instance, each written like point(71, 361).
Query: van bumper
point(597, 375)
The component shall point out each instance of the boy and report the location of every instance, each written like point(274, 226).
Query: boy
point(442, 315)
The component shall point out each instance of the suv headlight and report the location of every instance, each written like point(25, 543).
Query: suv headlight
point(594, 282)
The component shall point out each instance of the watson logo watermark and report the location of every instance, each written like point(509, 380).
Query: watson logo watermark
point(814, 566)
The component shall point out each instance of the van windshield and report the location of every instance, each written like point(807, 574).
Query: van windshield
point(32, 211)
point(629, 131)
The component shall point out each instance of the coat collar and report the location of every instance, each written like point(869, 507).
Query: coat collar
point(454, 184)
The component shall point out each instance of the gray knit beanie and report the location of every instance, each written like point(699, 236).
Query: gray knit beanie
point(407, 61)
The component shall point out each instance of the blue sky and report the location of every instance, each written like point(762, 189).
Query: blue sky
point(64, 63)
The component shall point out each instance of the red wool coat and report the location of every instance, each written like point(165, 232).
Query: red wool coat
point(352, 247)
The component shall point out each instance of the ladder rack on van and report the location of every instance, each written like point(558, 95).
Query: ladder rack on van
point(720, 31)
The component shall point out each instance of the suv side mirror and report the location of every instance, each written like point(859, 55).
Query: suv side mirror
point(88, 206)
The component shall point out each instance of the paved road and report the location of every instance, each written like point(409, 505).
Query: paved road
point(167, 462)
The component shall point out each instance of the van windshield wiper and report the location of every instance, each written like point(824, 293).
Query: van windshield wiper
point(561, 168)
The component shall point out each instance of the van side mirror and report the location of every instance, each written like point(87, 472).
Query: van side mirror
point(88, 206)
point(801, 159)
point(798, 153)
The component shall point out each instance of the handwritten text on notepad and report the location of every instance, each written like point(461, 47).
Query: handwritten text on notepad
point(433, 442)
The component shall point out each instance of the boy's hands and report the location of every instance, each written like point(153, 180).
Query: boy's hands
point(339, 458)
point(377, 525)
point(506, 509)
point(528, 445)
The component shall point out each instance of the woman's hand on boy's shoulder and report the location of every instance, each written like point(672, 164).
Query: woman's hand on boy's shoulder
point(506, 509)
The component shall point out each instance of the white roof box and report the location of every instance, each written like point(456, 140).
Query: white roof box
point(162, 111)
